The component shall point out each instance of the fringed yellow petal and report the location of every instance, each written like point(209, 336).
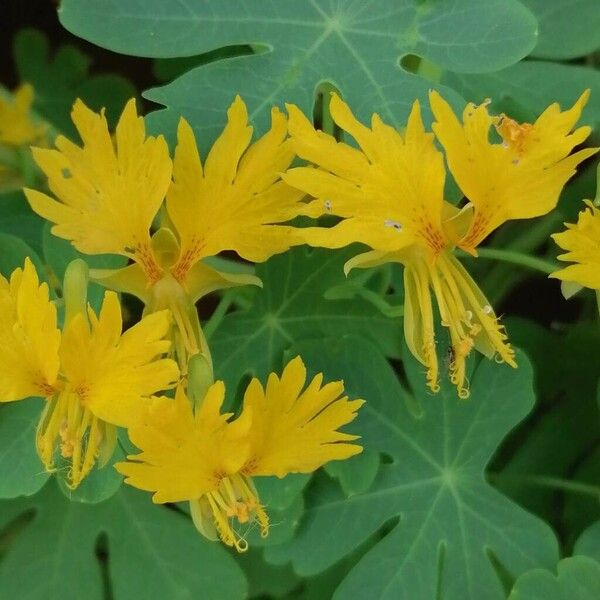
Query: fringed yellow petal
point(107, 194)
point(29, 337)
point(112, 374)
point(17, 128)
point(183, 457)
point(518, 178)
point(202, 457)
point(391, 196)
point(323, 150)
point(294, 431)
point(582, 243)
point(239, 200)
point(418, 321)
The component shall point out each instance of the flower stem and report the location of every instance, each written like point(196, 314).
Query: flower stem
point(516, 258)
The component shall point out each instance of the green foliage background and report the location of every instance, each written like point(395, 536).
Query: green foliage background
point(493, 497)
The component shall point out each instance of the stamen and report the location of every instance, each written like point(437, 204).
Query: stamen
point(235, 499)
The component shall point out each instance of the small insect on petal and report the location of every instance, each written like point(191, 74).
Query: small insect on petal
point(391, 223)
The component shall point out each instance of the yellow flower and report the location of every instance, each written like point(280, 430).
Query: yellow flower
point(519, 178)
point(29, 337)
point(207, 459)
point(16, 125)
point(108, 197)
point(582, 243)
point(390, 194)
point(93, 377)
point(108, 193)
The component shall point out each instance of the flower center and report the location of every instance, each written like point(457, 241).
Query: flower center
point(66, 424)
point(514, 135)
point(235, 499)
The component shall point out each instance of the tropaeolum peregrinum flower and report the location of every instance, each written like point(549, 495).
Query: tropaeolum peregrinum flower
point(204, 457)
point(390, 195)
point(581, 241)
point(93, 376)
point(18, 129)
point(109, 192)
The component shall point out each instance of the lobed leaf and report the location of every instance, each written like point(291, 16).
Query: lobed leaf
point(568, 28)
point(449, 527)
point(148, 551)
point(356, 45)
point(290, 307)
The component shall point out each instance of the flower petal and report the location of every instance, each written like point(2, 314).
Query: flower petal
point(520, 178)
point(29, 337)
point(183, 457)
point(294, 431)
point(107, 195)
point(582, 242)
point(239, 200)
point(114, 374)
point(391, 193)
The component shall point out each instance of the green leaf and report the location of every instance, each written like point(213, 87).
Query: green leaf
point(588, 543)
point(153, 552)
point(356, 46)
point(555, 441)
point(265, 579)
point(450, 526)
point(58, 253)
point(99, 485)
point(59, 80)
point(290, 307)
point(19, 220)
point(578, 578)
point(22, 471)
point(527, 88)
point(568, 28)
point(581, 509)
point(13, 252)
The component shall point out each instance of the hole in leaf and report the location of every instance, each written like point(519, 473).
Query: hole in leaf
point(13, 529)
point(167, 69)
point(101, 551)
point(386, 459)
point(235, 403)
point(504, 576)
point(413, 406)
point(410, 62)
point(321, 115)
